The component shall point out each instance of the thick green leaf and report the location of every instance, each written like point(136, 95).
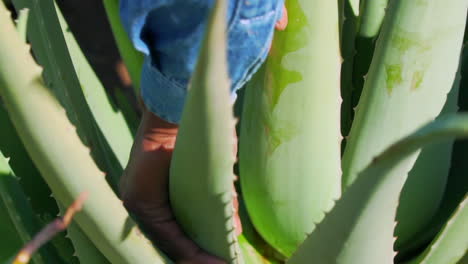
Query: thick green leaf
point(349, 26)
point(201, 178)
point(290, 135)
point(452, 242)
point(359, 229)
point(113, 134)
point(69, 75)
point(457, 182)
point(416, 209)
point(86, 251)
point(33, 185)
point(254, 247)
point(413, 69)
point(372, 13)
point(10, 242)
point(61, 158)
point(464, 260)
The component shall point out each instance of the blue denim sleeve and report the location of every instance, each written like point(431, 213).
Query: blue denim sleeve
point(170, 32)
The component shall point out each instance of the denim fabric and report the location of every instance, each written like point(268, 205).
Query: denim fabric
point(170, 32)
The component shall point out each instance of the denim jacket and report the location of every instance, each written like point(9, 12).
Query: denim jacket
point(170, 32)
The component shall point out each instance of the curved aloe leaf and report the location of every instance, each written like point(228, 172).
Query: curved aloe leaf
point(86, 251)
point(411, 74)
point(10, 242)
point(254, 248)
point(114, 136)
point(349, 15)
point(359, 229)
point(201, 177)
point(290, 133)
point(44, 207)
point(416, 209)
point(60, 156)
point(455, 188)
point(18, 213)
point(372, 13)
point(67, 73)
point(452, 242)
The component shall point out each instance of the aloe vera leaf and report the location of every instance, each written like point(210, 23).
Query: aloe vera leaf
point(22, 22)
point(35, 190)
point(128, 110)
point(74, 88)
point(371, 16)
point(115, 135)
point(413, 69)
point(203, 160)
point(290, 135)
point(416, 209)
point(131, 57)
point(21, 215)
point(463, 260)
point(33, 185)
point(457, 182)
point(86, 251)
point(372, 13)
point(28, 176)
point(253, 247)
point(348, 35)
point(359, 228)
point(10, 242)
point(451, 243)
point(60, 156)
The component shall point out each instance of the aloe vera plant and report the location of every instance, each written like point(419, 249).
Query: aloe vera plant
point(396, 195)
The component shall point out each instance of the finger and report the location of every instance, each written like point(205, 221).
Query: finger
point(283, 22)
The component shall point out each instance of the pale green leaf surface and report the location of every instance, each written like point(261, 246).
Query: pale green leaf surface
point(201, 178)
point(114, 135)
point(412, 71)
point(372, 13)
point(452, 242)
point(359, 229)
point(60, 156)
point(417, 209)
point(69, 76)
point(290, 134)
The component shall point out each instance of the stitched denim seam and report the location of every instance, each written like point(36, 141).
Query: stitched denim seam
point(235, 16)
point(247, 21)
point(166, 78)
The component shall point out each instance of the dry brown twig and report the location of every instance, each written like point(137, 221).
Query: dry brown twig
point(50, 230)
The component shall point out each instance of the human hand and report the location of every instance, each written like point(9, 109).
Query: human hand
point(144, 191)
